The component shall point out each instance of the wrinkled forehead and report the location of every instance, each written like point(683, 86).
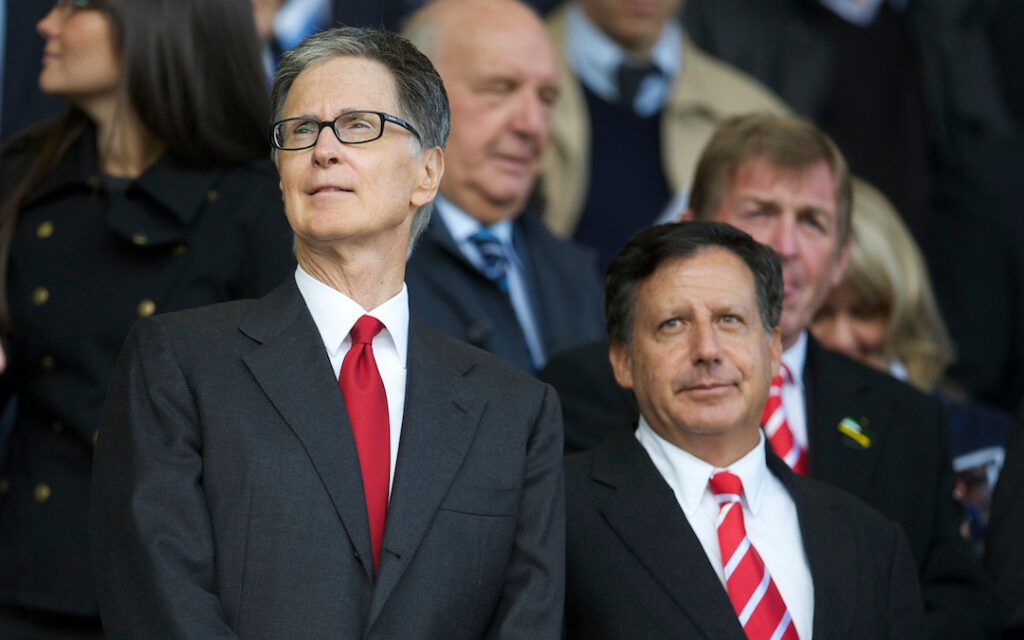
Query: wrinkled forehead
point(342, 83)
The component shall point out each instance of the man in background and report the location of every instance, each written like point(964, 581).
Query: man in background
point(487, 270)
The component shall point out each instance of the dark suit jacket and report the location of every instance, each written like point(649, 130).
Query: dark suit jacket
point(905, 473)
point(635, 569)
point(228, 500)
point(1004, 553)
point(452, 296)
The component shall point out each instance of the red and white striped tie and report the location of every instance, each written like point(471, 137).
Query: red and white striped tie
point(776, 429)
point(757, 601)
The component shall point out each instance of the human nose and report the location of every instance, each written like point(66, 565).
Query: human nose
point(328, 148)
point(532, 117)
point(706, 346)
point(783, 237)
point(50, 24)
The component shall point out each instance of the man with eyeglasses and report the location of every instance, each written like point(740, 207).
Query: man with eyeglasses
point(487, 270)
point(318, 463)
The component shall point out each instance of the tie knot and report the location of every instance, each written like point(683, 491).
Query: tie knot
point(630, 76)
point(365, 329)
point(493, 253)
point(726, 486)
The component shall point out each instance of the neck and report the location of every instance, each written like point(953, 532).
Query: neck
point(486, 212)
point(370, 276)
point(126, 148)
point(719, 450)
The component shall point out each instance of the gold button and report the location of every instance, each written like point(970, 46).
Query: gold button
point(95, 436)
point(58, 427)
point(40, 295)
point(146, 308)
point(93, 181)
point(45, 230)
point(42, 492)
point(211, 195)
point(140, 239)
point(4, 485)
point(47, 363)
point(179, 249)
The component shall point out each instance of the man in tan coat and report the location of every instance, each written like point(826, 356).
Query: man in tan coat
point(638, 102)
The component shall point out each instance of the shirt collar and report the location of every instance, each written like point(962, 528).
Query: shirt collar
point(596, 58)
point(335, 314)
point(462, 225)
point(689, 475)
point(795, 357)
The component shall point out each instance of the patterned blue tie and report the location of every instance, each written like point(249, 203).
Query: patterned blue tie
point(495, 259)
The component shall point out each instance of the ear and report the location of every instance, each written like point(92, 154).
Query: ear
point(622, 362)
point(429, 178)
point(686, 216)
point(841, 260)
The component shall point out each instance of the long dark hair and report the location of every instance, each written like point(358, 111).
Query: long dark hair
point(191, 71)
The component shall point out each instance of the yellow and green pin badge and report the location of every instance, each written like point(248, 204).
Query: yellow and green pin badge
point(853, 430)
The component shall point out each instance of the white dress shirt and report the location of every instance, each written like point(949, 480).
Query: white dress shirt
point(596, 58)
point(462, 226)
point(335, 314)
point(793, 401)
point(769, 516)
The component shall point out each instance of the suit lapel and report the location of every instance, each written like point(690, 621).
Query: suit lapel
point(834, 393)
point(829, 549)
point(647, 518)
point(292, 368)
point(440, 420)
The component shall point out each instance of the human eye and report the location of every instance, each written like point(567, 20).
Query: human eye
point(671, 325)
point(358, 126)
point(816, 220)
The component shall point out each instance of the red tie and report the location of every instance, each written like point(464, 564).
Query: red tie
point(367, 407)
point(773, 420)
point(758, 603)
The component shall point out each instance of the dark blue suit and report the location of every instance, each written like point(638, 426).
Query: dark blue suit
point(451, 295)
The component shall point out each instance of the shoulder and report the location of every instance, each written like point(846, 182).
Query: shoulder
point(463, 359)
point(720, 86)
point(837, 508)
point(826, 369)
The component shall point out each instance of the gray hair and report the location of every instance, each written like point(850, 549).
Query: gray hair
point(421, 95)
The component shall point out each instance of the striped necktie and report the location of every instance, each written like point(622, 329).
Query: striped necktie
point(776, 429)
point(494, 257)
point(754, 596)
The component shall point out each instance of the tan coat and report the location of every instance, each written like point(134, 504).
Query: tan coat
point(703, 94)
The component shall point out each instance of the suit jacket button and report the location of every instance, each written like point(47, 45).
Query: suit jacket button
point(146, 308)
point(40, 295)
point(58, 427)
point(179, 250)
point(41, 493)
point(5, 485)
point(47, 363)
point(211, 195)
point(44, 230)
point(95, 436)
point(140, 239)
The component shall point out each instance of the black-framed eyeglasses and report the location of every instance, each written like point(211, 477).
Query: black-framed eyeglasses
point(354, 127)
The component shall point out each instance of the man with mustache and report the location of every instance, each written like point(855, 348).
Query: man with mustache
point(785, 183)
point(487, 271)
point(690, 526)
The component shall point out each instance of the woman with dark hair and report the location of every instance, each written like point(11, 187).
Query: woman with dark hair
point(153, 193)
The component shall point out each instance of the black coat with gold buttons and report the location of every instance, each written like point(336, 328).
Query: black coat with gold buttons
point(90, 255)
